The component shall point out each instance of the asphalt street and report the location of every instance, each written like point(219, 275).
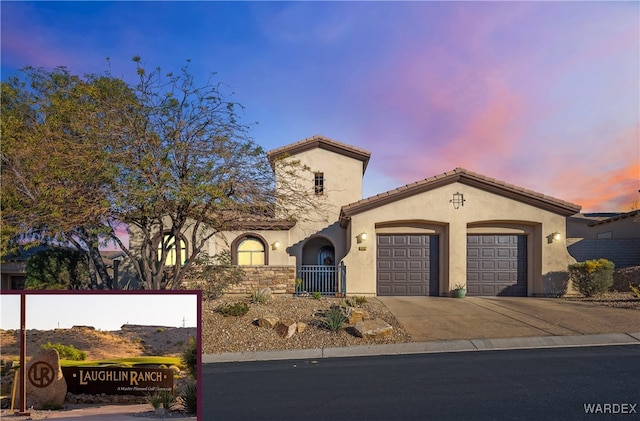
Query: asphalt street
point(531, 384)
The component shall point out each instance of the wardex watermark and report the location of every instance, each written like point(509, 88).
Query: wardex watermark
point(610, 408)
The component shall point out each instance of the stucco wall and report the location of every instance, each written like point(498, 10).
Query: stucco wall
point(483, 212)
point(342, 184)
point(275, 256)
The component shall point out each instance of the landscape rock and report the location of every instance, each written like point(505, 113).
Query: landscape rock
point(357, 315)
point(266, 292)
point(286, 328)
point(375, 328)
point(268, 321)
point(301, 327)
point(46, 386)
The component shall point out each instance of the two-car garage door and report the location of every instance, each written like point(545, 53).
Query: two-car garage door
point(407, 264)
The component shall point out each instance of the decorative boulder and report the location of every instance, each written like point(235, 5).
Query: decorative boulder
point(268, 321)
point(46, 386)
point(375, 328)
point(286, 328)
point(357, 315)
point(266, 293)
point(301, 327)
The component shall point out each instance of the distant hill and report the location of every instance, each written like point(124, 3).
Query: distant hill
point(129, 341)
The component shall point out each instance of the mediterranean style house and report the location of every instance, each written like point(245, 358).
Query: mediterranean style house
point(426, 238)
point(430, 237)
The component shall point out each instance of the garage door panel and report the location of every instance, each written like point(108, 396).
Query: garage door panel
point(399, 265)
point(384, 290)
point(384, 265)
point(415, 253)
point(410, 264)
point(398, 241)
point(384, 241)
point(384, 252)
point(496, 265)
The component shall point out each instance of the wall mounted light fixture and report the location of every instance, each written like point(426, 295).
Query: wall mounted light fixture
point(361, 237)
point(457, 200)
point(275, 245)
point(554, 236)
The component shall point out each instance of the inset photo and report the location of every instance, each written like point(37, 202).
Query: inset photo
point(100, 353)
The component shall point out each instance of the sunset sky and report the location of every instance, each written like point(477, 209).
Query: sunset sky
point(544, 95)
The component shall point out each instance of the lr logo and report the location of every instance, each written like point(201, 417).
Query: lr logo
point(41, 374)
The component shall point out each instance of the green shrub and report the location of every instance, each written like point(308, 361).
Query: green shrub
point(235, 309)
point(261, 296)
point(163, 399)
point(189, 397)
point(592, 277)
point(190, 358)
point(215, 274)
point(316, 295)
point(360, 300)
point(66, 352)
point(334, 319)
point(57, 268)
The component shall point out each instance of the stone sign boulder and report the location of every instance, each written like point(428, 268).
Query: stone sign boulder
point(375, 328)
point(46, 386)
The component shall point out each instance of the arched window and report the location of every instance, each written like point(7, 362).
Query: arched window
point(251, 252)
point(173, 254)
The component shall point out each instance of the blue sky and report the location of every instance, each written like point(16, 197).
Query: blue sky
point(544, 95)
point(103, 310)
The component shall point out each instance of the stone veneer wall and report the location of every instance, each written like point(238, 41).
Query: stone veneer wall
point(281, 280)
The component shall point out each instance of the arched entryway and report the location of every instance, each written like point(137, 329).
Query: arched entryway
point(319, 271)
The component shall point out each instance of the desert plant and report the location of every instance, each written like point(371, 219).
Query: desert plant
point(316, 295)
point(162, 399)
point(66, 352)
point(190, 358)
point(360, 300)
point(592, 277)
point(635, 290)
point(214, 274)
point(261, 296)
point(235, 309)
point(298, 284)
point(334, 318)
point(189, 397)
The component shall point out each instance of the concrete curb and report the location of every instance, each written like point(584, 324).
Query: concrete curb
point(460, 345)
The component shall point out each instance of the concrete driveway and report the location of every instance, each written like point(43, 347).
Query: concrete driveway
point(440, 318)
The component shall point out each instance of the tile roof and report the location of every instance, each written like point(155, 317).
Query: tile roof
point(635, 213)
point(321, 142)
point(466, 177)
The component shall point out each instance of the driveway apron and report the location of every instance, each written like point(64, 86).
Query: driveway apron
point(441, 318)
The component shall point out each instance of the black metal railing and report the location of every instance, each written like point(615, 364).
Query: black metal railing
point(326, 280)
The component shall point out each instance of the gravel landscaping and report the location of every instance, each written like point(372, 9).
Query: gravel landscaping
point(241, 334)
